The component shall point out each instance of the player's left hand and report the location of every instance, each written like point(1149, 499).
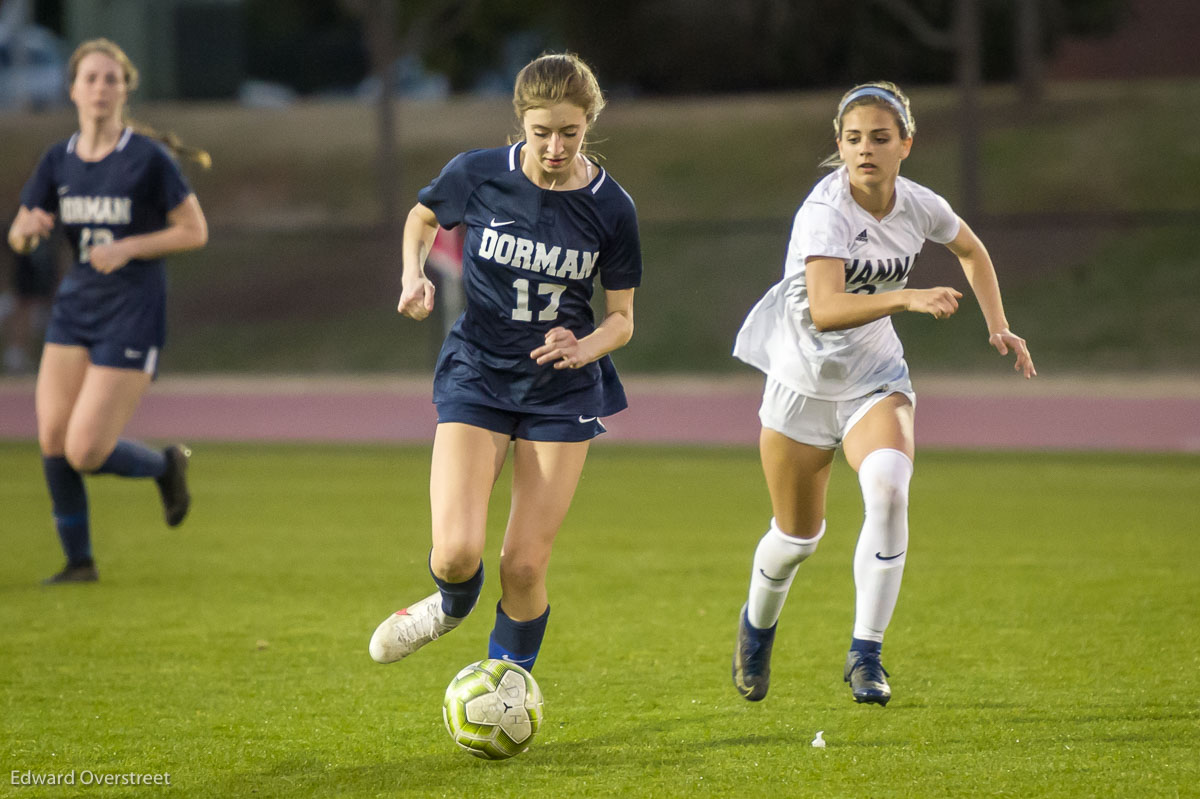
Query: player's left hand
point(108, 258)
point(562, 349)
point(1005, 340)
point(416, 299)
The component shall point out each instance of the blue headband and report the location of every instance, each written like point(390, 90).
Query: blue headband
point(883, 94)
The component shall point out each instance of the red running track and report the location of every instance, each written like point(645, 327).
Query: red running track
point(1078, 413)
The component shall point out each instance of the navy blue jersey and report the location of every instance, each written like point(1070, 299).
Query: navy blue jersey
point(128, 192)
point(530, 260)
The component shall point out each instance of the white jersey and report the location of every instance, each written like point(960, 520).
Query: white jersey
point(779, 337)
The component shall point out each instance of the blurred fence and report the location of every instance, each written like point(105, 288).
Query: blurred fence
point(1089, 292)
point(1091, 216)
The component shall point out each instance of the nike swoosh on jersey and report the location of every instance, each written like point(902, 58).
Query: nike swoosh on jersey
point(586, 419)
point(501, 224)
point(882, 556)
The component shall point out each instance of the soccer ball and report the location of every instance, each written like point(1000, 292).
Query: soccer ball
point(493, 709)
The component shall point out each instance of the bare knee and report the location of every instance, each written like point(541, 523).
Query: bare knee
point(86, 454)
point(454, 563)
point(52, 433)
point(521, 574)
point(52, 442)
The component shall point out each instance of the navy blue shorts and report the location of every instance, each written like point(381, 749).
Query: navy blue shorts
point(528, 426)
point(117, 354)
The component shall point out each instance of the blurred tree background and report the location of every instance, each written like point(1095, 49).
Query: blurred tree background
point(344, 108)
point(661, 47)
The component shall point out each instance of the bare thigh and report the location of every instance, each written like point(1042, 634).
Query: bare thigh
point(106, 403)
point(545, 475)
point(888, 425)
point(797, 478)
point(466, 462)
point(60, 376)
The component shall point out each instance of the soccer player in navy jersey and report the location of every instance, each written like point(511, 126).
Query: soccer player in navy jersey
point(525, 364)
point(123, 204)
point(836, 375)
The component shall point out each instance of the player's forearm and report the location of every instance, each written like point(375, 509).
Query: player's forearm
point(613, 333)
point(169, 240)
point(842, 311)
point(420, 229)
point(981, 274)
point(986, 286)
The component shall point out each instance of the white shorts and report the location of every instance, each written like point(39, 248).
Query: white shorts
point(822, 423)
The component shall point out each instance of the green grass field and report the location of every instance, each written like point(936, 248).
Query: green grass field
point(1045, 643)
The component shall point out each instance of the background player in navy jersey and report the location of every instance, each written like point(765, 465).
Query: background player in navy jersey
point(836, 374)
point(123, 204)
point(525, 363)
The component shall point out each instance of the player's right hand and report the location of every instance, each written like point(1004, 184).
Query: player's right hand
point(940, 302)
point(31, 226)
point(416, 299)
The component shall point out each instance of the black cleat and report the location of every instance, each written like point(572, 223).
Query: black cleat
point(867, 678)
point(75, 573)
point(173, 485)
point(752, 659)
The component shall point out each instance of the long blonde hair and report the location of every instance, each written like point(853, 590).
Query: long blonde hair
point(113, 50)
point(554, 78)
point(881, 94)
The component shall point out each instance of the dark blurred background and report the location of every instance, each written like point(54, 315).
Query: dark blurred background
point(1063, 130)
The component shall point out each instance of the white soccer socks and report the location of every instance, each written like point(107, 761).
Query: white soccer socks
point(776, 561)
point(884, 476)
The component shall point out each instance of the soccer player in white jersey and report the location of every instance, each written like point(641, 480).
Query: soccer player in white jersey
point(836, 376)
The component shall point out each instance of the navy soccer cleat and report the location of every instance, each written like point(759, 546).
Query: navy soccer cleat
point(752, 659)
point(76, 573)
point(172, 486)
point(867, 678)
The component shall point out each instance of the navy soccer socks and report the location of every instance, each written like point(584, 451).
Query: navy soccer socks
point(517, 641)
point(68, 497)
point(866, 647)
point(131, 459)
point(458, 599)
point(514, 641)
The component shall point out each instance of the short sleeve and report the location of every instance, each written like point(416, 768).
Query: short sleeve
point(449, 192)
point(173, 186)
point(40, 189)
point(943, 222)
point(621, 263)
point(820, 230)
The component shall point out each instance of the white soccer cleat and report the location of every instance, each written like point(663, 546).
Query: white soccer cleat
point(407, 630)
